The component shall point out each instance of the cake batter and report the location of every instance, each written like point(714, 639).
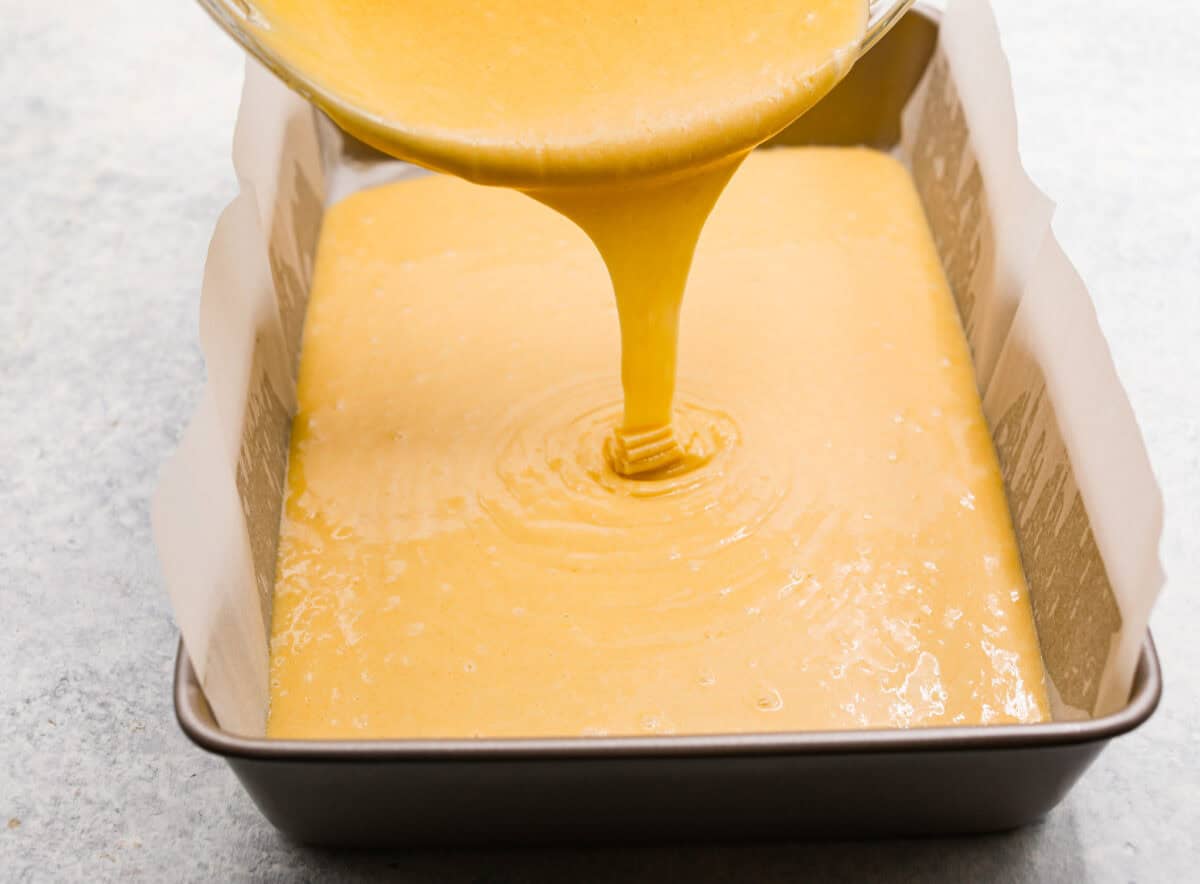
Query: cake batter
point(458, 559)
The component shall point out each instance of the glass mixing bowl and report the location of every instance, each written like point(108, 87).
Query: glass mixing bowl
point(242, 21)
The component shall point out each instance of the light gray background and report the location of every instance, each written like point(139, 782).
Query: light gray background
point(115, 122)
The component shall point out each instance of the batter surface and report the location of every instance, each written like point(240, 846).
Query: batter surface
point(457, 559)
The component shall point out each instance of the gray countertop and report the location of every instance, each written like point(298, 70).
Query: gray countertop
point(115, 123)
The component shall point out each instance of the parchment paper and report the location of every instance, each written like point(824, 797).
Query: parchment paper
point(1086, 508)
point(1085, 505)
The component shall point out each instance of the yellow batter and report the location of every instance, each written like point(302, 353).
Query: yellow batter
point(627, 117)
point(458, 559)
point(530, 93)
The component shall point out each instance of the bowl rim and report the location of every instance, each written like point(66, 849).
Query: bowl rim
point(449, 151)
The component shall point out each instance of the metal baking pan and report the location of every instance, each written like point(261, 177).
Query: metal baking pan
point(793, 785)
point(865, 783)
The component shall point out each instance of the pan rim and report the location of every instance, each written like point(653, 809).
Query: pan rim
point(197, 723)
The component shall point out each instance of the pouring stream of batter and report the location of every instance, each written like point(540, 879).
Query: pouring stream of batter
point(627, 118)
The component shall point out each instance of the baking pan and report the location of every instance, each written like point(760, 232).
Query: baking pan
point(803, 785)
point(793, 785)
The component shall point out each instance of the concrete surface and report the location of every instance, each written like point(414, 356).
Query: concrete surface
point(115, 121)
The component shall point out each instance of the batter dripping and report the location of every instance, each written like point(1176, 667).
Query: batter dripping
point(627, 117)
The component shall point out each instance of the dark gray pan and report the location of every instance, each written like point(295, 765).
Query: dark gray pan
point(795, 785)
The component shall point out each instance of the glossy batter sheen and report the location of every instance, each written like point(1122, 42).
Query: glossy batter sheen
point(627, 117)
point(457, 558)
